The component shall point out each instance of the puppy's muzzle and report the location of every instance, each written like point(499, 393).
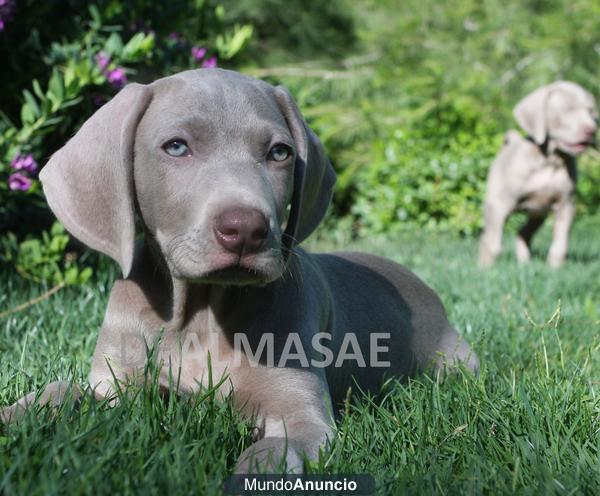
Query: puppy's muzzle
point(241, 230)
point(591, 139)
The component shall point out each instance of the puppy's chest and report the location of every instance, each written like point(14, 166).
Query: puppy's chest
point(546, 186)
point(197, 356)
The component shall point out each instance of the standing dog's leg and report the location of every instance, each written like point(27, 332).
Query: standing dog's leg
point(490, 245)
point(523, 243)
point(565, 212)
point(53, 394)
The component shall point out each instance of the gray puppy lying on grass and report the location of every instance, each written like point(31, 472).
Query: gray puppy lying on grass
point(209, 161)
point(537, 174)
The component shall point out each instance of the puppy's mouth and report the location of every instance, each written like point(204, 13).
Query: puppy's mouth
point(213, 265)
point(247, 270)
point(237, 275)
point(578, 147)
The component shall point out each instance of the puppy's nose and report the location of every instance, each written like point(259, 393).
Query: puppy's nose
point(241, 230)
point(590, 132)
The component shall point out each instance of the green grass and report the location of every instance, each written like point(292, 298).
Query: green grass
point(529, 424)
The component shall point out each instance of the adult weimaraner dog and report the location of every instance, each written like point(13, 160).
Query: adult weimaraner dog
point(537, 174)
point(226, 179)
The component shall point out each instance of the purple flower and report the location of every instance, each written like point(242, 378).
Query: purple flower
point(210, 62)
point(7, 8)
point(19, 182)
point(117, 77)
point(102, 59)
point(198, 53)
point(24, 162)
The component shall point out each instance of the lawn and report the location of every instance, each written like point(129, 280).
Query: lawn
point(528, 424)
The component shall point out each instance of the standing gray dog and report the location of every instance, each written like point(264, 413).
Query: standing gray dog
point(209, 162)
point(537, 174)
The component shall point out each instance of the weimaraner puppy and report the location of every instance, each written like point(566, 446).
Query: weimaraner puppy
point(537, 174)
point(226, 179)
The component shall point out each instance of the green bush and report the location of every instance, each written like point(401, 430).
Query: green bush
point(416, 180)
point(43, 259)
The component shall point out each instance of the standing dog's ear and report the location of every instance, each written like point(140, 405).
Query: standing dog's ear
point(314, 176)
point(531, 114)
point(89, 182)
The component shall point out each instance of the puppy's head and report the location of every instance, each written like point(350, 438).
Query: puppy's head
point(222, 169)
point(563, 112)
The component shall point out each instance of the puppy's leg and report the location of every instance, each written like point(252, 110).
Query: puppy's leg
point(285, 450)
point(523, 243)
point(565, 212)
point(54, 394)
point(452, 351)
point(490, 246)
point(295, 406)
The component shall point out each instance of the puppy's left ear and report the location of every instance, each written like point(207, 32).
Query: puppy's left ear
point(89, 182)
point(531, 114)
point(314, 177)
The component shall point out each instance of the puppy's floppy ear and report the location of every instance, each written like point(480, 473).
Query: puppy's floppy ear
point(89, 182)
point(531, 114)
point(314, 176)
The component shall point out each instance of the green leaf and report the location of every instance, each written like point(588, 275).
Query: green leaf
point(70, 76)
point(71, 103)
point(96, 17)
point(27, 115)
point(85, 275)
point(58, 244)
point(71, 276)
point(32, 102)
point(230, 44)
point(240, 38)
point(31, 250)
point(52, 121)
point(57, 229)
point(138, 46)
point(55, 86)
point(57, 277)
point(37, 89)
point(114, 45)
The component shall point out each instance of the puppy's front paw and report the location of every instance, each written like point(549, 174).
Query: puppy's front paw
point(6, 414)
point(269, 455)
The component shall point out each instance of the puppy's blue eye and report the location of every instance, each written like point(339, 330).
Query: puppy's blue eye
point(177, 148)
point(279, 153)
